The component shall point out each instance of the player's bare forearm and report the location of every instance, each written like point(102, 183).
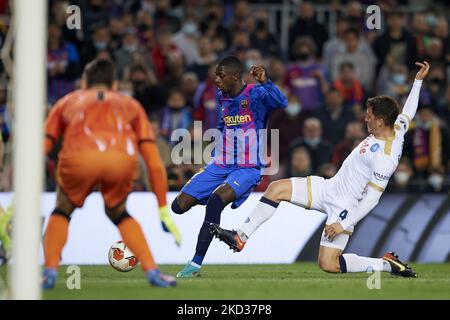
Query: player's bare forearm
point(157, 174)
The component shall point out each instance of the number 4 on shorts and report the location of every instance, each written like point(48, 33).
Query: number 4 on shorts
point(343, 214)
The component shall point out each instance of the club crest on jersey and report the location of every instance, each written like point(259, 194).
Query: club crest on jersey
point(244, 103)
point(375, 147)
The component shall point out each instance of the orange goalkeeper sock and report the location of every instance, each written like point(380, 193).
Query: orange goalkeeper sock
point(54, 240)
point(134, 238)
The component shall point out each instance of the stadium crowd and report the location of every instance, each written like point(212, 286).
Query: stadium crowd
point(165, 52)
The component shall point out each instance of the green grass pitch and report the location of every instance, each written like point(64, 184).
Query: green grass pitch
point(293, 281)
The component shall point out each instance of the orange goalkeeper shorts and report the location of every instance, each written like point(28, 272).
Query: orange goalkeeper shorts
point(112, 171)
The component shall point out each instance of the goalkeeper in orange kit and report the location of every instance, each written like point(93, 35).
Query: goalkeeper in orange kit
point(103, 131)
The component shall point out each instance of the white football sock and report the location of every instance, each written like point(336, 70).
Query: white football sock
point(357, 263)
point(263, 211)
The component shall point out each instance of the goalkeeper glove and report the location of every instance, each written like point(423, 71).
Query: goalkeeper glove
point(168, 225)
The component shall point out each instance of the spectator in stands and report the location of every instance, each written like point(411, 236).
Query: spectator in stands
point(436, 180)
point(443, 109)
point(63, 64)
point(187, 40)
point(354, 134)
point(393, 81)
point(307, 78)
point(397, 41)
point(307, 26)
point(188, 86)
point(403, 175)
point(300, 163)
point(99, 41)
point(442, 32)
point(240, 45)
point(146, 90)
point(163, 146)
point(263, 40)
point(435, 51)
point(163, 48)
point(289, 122)
point(319, 149)
point(277, 73)
point(363, 61)
point(205, 106)
point(124, 57)
point(421, 31)
point(337, 43)
point(116, 31)
point(334, 117)
point(241, 15)
point(164, 18)
point(95, 13)
point(436, 83)
point(428, 143)
point(354, 13)
point(205, 58)
point(349, 86)
point(213, 24)
point(176, 115)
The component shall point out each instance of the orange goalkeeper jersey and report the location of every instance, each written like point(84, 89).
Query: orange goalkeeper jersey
point(96, 119)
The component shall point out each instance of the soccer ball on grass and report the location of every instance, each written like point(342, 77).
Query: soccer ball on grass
point(121, 258)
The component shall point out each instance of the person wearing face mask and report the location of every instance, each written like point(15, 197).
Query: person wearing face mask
point(146, 90)
point(100, 41)
point(307, 78)
point(124, 57)
point(289, 122)
point(436, 181)
point(402, 179)
point(320, 149)
point(187, 41)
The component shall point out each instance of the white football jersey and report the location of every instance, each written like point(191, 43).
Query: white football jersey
point(371, 163)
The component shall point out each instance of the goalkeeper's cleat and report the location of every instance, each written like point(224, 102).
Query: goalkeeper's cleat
point(189, 271)
point(159, 279)
point(49, 278)
point(230, 237)
point(398, 268)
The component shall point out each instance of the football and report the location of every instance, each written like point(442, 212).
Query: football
point(121, 258)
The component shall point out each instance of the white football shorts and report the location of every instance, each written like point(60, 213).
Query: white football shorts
point(315, 193)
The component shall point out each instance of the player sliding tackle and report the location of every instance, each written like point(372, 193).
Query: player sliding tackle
point(351, 194)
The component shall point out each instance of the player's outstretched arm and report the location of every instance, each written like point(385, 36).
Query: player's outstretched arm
point(412, 102)
point(364, 207)
point(275, 98)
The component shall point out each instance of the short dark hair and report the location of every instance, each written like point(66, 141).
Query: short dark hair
point(100, 71)
point(384, 107)
point(232, 62)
